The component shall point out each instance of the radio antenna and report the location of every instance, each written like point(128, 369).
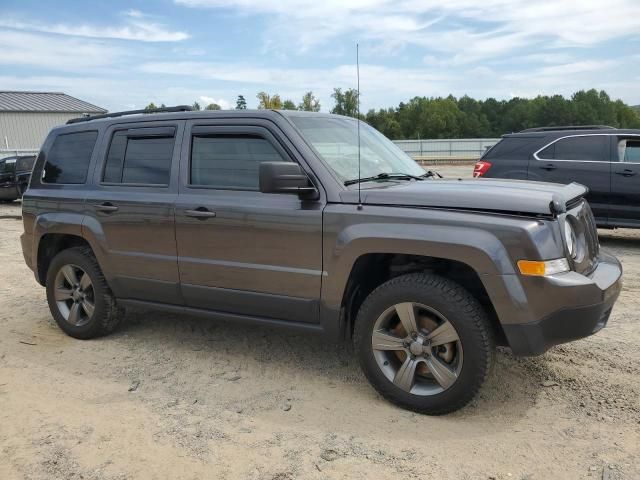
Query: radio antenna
point(358, 113)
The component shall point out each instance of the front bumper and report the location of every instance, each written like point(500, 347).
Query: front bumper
point(573, 320)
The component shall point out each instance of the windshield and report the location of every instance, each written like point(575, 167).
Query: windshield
point(7, 165)
point(335, 140)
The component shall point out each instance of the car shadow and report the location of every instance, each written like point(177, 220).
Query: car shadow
point(620, 239)
point(511, 389)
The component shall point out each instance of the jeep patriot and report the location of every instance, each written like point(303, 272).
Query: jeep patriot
point(268, 217)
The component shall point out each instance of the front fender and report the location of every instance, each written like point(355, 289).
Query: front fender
point(481, 250)
point(489, 244)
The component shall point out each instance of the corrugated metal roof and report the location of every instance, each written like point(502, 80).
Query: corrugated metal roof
point(44, 102)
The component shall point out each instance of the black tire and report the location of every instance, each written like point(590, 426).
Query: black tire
point(460, 308)
point(106, 314)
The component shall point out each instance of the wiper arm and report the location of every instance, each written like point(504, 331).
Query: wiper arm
point(384, 176)
point(431, 173)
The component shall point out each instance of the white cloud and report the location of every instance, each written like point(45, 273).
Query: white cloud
point(136, 28)
point(224, 104)
point(59, 53)
point(467, 30)
point(375, 80)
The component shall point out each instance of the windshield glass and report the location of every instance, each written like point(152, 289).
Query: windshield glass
point(7, 165)
point(335, 139)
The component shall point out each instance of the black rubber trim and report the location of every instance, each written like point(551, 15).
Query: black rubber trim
point(560, 327)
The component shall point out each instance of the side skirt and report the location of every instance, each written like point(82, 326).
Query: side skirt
point(223, 316)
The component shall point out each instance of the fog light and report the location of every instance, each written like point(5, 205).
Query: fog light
point(543, 268)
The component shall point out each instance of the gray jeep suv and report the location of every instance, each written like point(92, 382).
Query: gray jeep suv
point(268, 217)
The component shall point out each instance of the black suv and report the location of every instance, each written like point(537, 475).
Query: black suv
point(14, 176)
point(315, 222)
point(605, 159)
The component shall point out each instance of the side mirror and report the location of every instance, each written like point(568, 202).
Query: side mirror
point(286, 177)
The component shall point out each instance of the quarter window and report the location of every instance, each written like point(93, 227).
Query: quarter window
point(68, 160)
point(140, 156)
point(230, 161)
point(585, 148)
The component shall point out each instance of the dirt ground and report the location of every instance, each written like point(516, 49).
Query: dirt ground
point(185, 398)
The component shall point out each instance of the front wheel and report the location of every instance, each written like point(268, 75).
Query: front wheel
point(424, 343)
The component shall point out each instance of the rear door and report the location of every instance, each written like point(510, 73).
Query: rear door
point(625, 181)
point(132, 208)
point(578, 158)
point(242, 251)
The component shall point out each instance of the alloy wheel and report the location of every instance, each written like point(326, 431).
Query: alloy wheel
point(74, 294)
point(417, 348)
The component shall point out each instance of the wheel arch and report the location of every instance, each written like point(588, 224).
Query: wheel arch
point(371, 270)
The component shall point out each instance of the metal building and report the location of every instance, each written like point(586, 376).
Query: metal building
point(27, 117)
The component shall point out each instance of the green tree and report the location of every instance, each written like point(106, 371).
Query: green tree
point(151, 106)
point(241, 103)
point(213, 106)
point(466, 117)
point(288, 105)
point(269, 101)
point(309, 103)
point(196, 106)
point(346, 103)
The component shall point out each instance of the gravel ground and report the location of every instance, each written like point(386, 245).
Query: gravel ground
point(186, 398)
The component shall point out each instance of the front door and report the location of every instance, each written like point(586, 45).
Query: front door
point(579, 158)
point(625, 182)
point(132, 208)
point(239, 250)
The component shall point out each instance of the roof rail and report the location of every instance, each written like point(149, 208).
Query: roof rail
point(567, 127)
point(179, 108)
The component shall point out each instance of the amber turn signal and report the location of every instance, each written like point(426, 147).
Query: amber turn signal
point(543, 268)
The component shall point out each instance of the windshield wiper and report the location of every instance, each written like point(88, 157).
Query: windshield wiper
point(431, 173)
point(384, 176)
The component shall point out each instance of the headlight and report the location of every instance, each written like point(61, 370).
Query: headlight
point(570, 239)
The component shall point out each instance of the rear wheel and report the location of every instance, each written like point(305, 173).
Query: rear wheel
point(424, 343)
point(78, 295)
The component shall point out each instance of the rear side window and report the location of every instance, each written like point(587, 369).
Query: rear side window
point(513, 148)
point(586, 148)
point(69, 157)
point(230, 161)
point(629, 151)
point(140, 156)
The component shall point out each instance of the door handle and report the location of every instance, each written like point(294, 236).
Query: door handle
point(548, 167)
point(106, 207)
point(626, 173)
point(200, 212)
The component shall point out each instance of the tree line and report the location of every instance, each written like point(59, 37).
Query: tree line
point(465, 117)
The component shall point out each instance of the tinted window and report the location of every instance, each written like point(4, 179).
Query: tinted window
point(629, 151)
point(231, 162)
point(25, 164)
point(7, 165)
point(513, 148)
point(139, 159)
point(68, 160)
point(589, 148)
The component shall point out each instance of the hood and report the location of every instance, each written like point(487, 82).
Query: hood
point(517, 196)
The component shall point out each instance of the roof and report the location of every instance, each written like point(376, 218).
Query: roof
point(152, 116)
point(11, 101)
point(570, 132)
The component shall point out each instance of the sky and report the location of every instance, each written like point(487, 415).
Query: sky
point(124, 54)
